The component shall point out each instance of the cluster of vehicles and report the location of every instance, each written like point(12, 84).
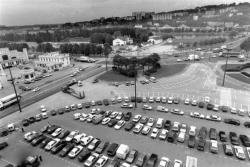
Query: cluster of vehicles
point(172, 132)
point(92, 151)
point(143, 82)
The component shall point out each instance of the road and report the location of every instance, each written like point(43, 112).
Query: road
point(49, 89)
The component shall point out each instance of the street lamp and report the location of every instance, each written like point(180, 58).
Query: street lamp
point(12, 81)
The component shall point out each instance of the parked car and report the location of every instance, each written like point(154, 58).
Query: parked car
point(244, 140)
point(101, 161)
point(91, 160)
point(146, 130)
point(214, 146)
point(152, 160)
point(66, 150)
point(136, 118)
point(228, 149)
point(58, 147)
point(115, 162)
point(127, 116)
point(84, 155)
point(154, 133)
point(138, 127)
point(213, 134)
point(239, 152)
point(3, 145)
point(101, 147)
point(131, 156)
point(178, 163)
point(223, 136)
point(177, 111)
point(191, 142)
point(164, 162)
point(94, 143)
point(129, 126)
point(142, 157)
point(232, 121)
point(119, 124)
point(213, 118)
point(111, 151)
point(163, 134)
point(234, 138)
point(51, 144)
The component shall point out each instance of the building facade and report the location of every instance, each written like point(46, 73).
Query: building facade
point(121, 41)
point(142, 15)
point(12, 57)
point(162, 16)
point(53, 61)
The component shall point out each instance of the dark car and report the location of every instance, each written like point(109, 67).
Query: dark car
point(106, 102)
point(45, 142)
point(201, 144)
point(176, 101)
point(36, 135)
point(171, 136)
point(210, 106)
point(232, 121)
point(212, 134)
point(38, 140)
point(112, 122)
point(234, 138)
point(97, 119)
point(52, 128)
point(3, 145)
point(201, 104)
point(202, 133)
point(244, 140)
point(58, 147)
point(152, 160)
point(53, 112)
point(84, 155)
point(191, 142)
point(66, 149)
point(225, 109)
point(144, 120)
point(63, 134)
point(87, 104)
point(223, 136)
point(167, 124)
point(99, 102)
point(228, 150)
point(247, 124)
point(131, 156)
point(101, 147)
point(112, 149)
point(127, 116)
point(61, 111)
point(25, 122)
point(31, 120)
point(141, 159)
point(129, 126)
point(4, 133)
point(115, 162)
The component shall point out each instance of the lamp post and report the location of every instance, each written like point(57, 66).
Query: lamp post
point(12, 81)
point(223, 82)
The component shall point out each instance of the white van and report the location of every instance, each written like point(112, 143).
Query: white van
point(122, 151)
point(11, 127)
point(79, 83)
point(159, 123)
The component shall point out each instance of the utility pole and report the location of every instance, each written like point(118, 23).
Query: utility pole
point(135, 88)
point(223, 83)
point(12, 81)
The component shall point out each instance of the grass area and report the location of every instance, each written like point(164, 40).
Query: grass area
point(164, 71)
point(240, 77)
point(169, 70)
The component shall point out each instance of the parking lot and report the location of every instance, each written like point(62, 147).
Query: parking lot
point(134, 141)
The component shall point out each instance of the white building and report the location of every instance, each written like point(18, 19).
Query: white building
point(53, 61)
point(155, 40)
point(12, 57)
point(122, 41)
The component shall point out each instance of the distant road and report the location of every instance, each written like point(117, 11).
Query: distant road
point(50, 89)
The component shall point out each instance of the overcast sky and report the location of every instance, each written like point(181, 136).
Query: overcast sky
point(24, 12)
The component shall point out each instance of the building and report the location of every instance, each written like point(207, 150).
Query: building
point(12, 57)
point(215, 23)
point(121, 41)
point(195, 17)
point(142, 15)
point(28, 74)
point(162, 16)
point(53, 61)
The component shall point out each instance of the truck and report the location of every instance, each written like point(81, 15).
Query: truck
point(122, 151)
point(191, 161)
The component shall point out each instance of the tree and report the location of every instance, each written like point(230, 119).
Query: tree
point(107, 50)
point(117, 34)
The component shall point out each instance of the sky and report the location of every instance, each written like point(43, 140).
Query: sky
point(28, 12)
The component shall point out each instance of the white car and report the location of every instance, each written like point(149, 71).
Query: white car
point(83, 117)
point(138, 127)
point(126, 99)
point(213, 118)
point(216, 107)
point(239, 152)
point(192, 131)
point(136, 118)
point(57, 132)
point(163, 134)
point(127, 105)
point(164, 162)
point(178, 163)
point(119, 124)
point(124, 164)
point(158, 99)
point(214, 146)
point(150, 122)
point(154, 133)
point(151, 99)
point(144, 100)
point(86, 140)
point(113, 114)
point(183, 128)
point(164, 99)
point(71, 135)
point(91, 160)
point(207, 99)
point(92, 103)
point(105, 120)
point(233, 110)
point(147, 107)
point(187, 101)
point(248, 151)
point(170, 100)
point(28, 134)
point(75, 151)
point(162, 109)
point(241, 112)
point(79, 106)
point(77, 138)
point(181, 137)
point(51, 144)
point(113, 101)
point(146, 130)
point(43, 108)
point(177, 111)
point(176, 126)
point(101, 161)
point(44, 115)
point(194, 103)
point(197, 115)
point(77, 116)
point(36, 89)
point(119, 99)
point(119, 116)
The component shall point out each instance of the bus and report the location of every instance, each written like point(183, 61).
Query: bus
point(8, 100)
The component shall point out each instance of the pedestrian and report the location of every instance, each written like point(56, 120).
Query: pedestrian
point(40, 157)
point(22, 129)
